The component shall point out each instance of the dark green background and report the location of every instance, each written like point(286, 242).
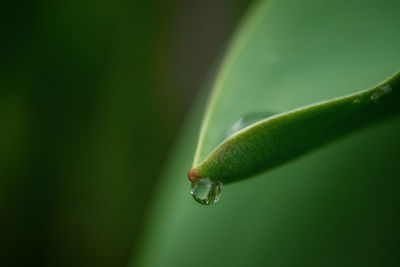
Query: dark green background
point(92, 94)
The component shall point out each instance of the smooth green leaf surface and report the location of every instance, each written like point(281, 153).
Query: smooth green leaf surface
point(336, 206)
point(276, 139)
point(288, 54)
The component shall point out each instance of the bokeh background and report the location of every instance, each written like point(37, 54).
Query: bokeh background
point(92, 96)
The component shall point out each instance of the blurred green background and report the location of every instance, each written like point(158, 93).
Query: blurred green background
point(92, 95)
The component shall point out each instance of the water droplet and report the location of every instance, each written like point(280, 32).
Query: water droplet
point(357, 100)
point(205, 191)
point(247, 120)
point(375, 97)
point(383, 90)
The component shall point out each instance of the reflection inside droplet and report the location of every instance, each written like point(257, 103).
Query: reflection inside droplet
point(247, 120)
point(205, 191)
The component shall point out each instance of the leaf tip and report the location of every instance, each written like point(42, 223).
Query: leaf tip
point(193, 175)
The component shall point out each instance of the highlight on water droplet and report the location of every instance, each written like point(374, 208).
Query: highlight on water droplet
point(205, 191)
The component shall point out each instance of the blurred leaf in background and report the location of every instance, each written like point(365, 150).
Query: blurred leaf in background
point(91, 96)
point(337, 206)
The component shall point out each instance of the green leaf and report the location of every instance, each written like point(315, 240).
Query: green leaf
point(337, 206)
point(276, 139)
point(282, 62)
point(288, 54)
